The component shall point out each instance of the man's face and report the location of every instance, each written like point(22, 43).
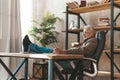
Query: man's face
point(87, 34)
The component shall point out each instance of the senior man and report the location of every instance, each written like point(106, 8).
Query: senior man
point(86, 48)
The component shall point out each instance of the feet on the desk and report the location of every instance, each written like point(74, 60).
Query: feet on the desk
point(26, 43)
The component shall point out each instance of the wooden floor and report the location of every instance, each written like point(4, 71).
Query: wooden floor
point(104, 73)
point(33, 79)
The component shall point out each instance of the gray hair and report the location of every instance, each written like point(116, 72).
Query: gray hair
point(89, 27)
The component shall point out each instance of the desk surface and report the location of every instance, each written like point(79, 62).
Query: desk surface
point(42, 56)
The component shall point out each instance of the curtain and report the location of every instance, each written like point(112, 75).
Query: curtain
point(10, 32)
point(39, 7)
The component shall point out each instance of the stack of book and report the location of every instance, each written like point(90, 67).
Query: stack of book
point(105, 1)
point(91, 3)
point(103, 21)
point(73, 5)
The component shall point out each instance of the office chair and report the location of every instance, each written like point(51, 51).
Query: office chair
point(101, 37)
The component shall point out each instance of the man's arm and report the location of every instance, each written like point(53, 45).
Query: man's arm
point(87, 48)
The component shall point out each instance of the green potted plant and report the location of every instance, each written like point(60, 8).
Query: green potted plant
point(44, 31)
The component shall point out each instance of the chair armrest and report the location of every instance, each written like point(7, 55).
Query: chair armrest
point(94, 62)
point(90, 59)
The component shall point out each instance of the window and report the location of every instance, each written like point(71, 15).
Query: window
point(0, 20)
point(26, 15)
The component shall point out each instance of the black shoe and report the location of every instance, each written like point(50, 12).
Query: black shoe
point(26, 43)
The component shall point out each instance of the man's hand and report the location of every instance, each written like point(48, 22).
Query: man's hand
point(74, 44)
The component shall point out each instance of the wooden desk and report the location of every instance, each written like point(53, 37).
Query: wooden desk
point(49, 57)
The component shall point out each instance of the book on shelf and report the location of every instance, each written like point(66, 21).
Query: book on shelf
point(103, 21)
point(73, 5)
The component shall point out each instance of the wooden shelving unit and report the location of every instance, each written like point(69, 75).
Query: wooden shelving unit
point(92, 8)
point(112, 27)
point(96, 28)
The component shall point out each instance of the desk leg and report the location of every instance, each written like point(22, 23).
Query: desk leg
point(78, 69)
point(26, 69)
point(18, 68)
point(58, 73)
point(50, 69)
point(6, 68)
point(80, 76)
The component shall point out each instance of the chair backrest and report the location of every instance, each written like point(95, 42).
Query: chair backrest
point(101, 37)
